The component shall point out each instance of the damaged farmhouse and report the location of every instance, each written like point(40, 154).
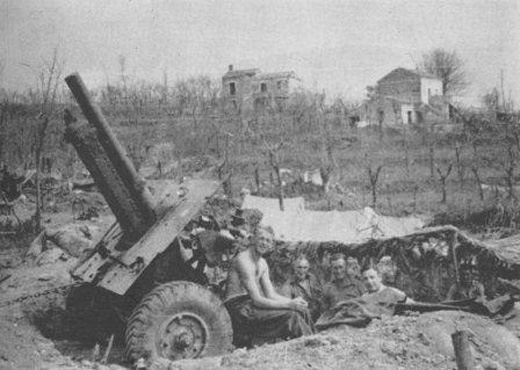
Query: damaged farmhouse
point(246, 89)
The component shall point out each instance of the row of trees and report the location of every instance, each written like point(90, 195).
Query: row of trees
point(310, 132)
point(29, 125)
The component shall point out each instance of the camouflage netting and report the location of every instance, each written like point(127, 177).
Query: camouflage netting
point(423, 264)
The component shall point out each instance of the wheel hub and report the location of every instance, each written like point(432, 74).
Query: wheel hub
point(183, 335)
point(184, 340)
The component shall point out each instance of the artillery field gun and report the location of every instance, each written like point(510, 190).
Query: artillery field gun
point(138, 272)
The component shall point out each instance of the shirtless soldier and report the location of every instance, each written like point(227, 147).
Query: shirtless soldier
point(254, 306)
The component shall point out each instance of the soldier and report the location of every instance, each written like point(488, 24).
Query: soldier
point(379, 294)
point(374, 283)
point(344, 285)
point(353, 269)
point(254, 306)
point(388, 270)
point(467, 288)
point(305, 285)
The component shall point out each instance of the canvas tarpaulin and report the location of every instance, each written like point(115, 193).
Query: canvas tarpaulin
point(295, 223)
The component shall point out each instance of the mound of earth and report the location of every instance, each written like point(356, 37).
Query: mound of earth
point(416, 342)
point(32, 330)
point(400, 342)
point(34, 333)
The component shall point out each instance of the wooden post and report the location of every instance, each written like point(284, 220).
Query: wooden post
point(462, 349)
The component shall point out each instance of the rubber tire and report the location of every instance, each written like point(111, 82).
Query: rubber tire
point(168, 300)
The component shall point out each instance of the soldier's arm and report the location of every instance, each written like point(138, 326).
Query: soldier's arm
point(362, 289)
point(267, 285)
point(401, 296)
point(246, 272)
point(451, 293)
point(326, 299)
point(480, 293)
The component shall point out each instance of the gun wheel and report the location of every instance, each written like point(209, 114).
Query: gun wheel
point(184, 336)
point(178, 320)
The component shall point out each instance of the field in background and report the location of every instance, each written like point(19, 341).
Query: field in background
point(449, 172)
point(412, 163)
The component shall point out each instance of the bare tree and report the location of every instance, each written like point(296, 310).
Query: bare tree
point(509, 168)
point(49, 78)
point(448, 67)
point(373, 177)
point(328, 165)
point(122, 65)
point(275, 160)
point(503, 129)
point(2, 68)
point(442, 179)
point(164, 92)
point(327, 135)
point(475, 170)
point(461, 169)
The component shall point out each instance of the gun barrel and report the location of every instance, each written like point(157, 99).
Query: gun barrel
point(124, 190)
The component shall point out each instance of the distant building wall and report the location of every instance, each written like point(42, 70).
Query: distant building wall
point(400, 84)
point(430, 87)
point(275, 86)
point(237, 85)
point(249, 88)
point(381, 111)
point(404, 96)
point(409, 113)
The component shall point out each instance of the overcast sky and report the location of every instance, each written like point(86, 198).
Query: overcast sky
point(338, 46)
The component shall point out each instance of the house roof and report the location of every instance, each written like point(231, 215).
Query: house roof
point(408, 72)
point(242, 72)
point(275, 75)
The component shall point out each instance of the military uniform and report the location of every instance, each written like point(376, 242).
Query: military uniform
point(342, 290)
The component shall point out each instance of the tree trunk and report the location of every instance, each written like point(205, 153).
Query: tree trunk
point(373, 177)
point(510, 172)
point(257, 180)
point(479, 182)
point(280, 187)
point(442, 179)
point(38, 161)
point(406, 151)
point(325, 174)
point(432, 160)
point(460, 167)
point(39, 205)
point(374, 197)
point(443, 191)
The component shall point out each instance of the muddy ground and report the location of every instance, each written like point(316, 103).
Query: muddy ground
point(34, 332)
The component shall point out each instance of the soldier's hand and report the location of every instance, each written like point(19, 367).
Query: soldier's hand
point(299, 304)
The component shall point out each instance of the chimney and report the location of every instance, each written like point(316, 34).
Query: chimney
point(230, 67)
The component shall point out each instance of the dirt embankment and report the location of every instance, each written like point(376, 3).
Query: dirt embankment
point(35, 333)
point(417, 342)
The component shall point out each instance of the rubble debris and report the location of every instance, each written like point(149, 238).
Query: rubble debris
point(10, 185)
point(4, 276)
point(73, 238)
